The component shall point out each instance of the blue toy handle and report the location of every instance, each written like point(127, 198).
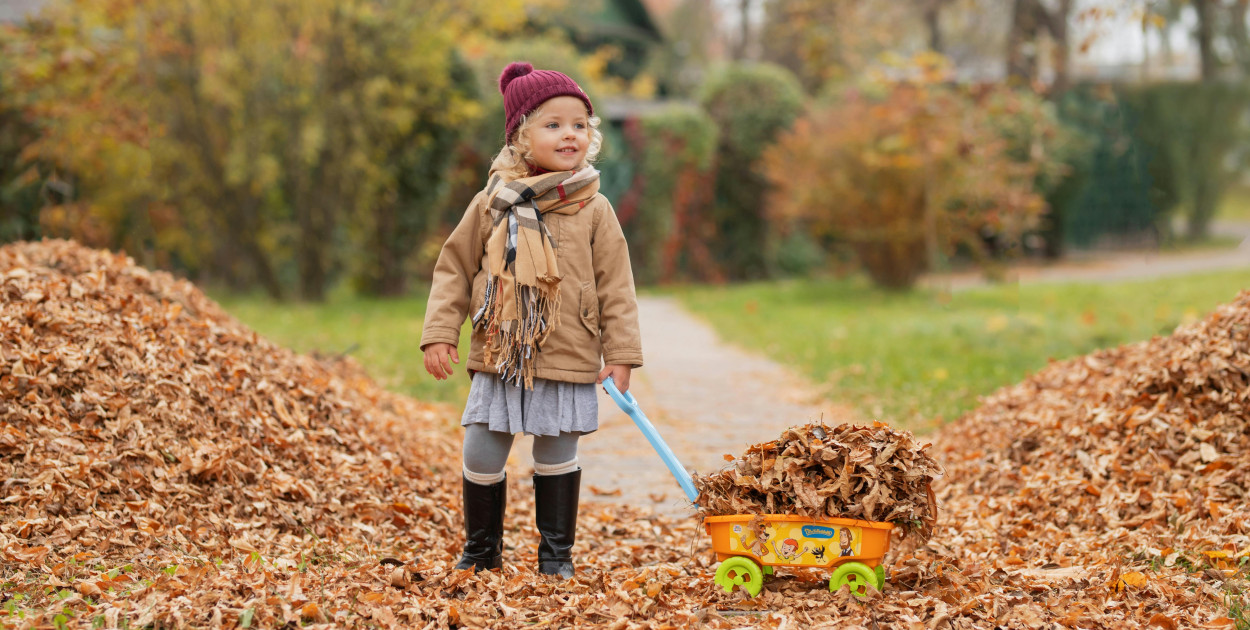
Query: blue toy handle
point(629, 405)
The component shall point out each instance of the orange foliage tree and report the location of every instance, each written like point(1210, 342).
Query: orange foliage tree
point(293, 142)
point(71, 77)
point(906, 172)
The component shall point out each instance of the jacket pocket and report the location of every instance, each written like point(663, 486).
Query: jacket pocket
point(477, 295)
point(588, 308)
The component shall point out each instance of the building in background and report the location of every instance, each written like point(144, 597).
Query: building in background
point(15, 11)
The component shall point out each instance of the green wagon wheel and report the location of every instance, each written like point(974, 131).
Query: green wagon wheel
point(880, 577)
point(741, 572)
point(769, 570)
point(856, 575)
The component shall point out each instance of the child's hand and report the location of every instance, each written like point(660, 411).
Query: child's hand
point(619, 374)
point(436, 363)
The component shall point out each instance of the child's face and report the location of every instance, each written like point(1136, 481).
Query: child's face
point(560, 134)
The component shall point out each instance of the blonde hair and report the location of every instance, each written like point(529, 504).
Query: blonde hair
point(516, 160)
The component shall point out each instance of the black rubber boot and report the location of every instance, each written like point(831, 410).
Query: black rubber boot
point(483, 525)
point(555, 513)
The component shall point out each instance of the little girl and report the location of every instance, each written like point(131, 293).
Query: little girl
point(540, 264)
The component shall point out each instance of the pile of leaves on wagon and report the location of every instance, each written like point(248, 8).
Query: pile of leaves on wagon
point(872, 473)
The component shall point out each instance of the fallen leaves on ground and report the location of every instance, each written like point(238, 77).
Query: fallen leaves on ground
point(164, 466)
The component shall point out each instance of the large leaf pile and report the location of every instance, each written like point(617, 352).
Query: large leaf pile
point(1121, 475)
point(161, 465)
point(130, 394)
point(872, 473)
point(140, 419)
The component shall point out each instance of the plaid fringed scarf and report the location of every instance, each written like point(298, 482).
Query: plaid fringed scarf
point(522, 303)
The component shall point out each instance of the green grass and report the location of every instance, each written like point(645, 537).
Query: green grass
point(1235, 206)
point(384, 335)
point(909, 358)
point(918, 358)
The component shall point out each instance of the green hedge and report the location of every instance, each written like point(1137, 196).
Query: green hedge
point(674, 162)
point(1157, 151)
point(750, 104)
point(1192, 131)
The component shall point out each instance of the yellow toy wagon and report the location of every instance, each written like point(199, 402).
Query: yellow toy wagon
point(853, 549)
point(750, 547)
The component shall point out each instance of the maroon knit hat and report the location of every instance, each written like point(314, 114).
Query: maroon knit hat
point(525, 88)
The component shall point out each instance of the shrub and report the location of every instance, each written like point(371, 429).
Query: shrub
point(907, 176)
point(673, 150)
point(751, 104)
point(1194, 130)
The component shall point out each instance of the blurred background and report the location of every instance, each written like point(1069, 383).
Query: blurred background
point(318, 152)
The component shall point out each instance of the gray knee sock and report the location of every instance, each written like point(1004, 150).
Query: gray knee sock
point(485, 454)
point(555, 455)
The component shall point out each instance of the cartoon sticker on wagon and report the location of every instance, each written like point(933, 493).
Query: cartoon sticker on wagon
point(790, 544)
point(854, 549)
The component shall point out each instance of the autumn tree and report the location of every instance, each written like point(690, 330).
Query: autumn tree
point(1195, 130)
point(285, 144)
point(19, 182)
point(664, 211)
point(1220, 35)
point(823, 40)
point(295, 130)
point(1030, 20)
point(906, 172)
point(71, 98)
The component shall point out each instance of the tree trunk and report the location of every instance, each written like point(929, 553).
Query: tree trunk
point(390, 255)
point(1028, 19)
point(264, 271)
point(311, 252)
point(308, 192)
point(1206, 34)
point(244, 232)
point(744, 36)
point(1239, 35)
point(933, 23)
point(1206, 203)
point(319, 197)
point(1057, 24)
point(1022, 63)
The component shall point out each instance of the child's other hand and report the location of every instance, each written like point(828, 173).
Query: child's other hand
point(619, 374)
point(436, 359)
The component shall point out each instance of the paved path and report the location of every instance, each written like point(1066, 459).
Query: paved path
point(1118, 266)
point(706, 399)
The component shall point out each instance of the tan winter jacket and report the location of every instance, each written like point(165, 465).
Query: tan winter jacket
point(598, 308)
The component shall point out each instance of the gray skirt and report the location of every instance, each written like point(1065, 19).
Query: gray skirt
point(551, 408)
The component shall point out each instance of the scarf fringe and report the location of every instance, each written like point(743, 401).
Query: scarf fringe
point(521, 304)
point(513, 343)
